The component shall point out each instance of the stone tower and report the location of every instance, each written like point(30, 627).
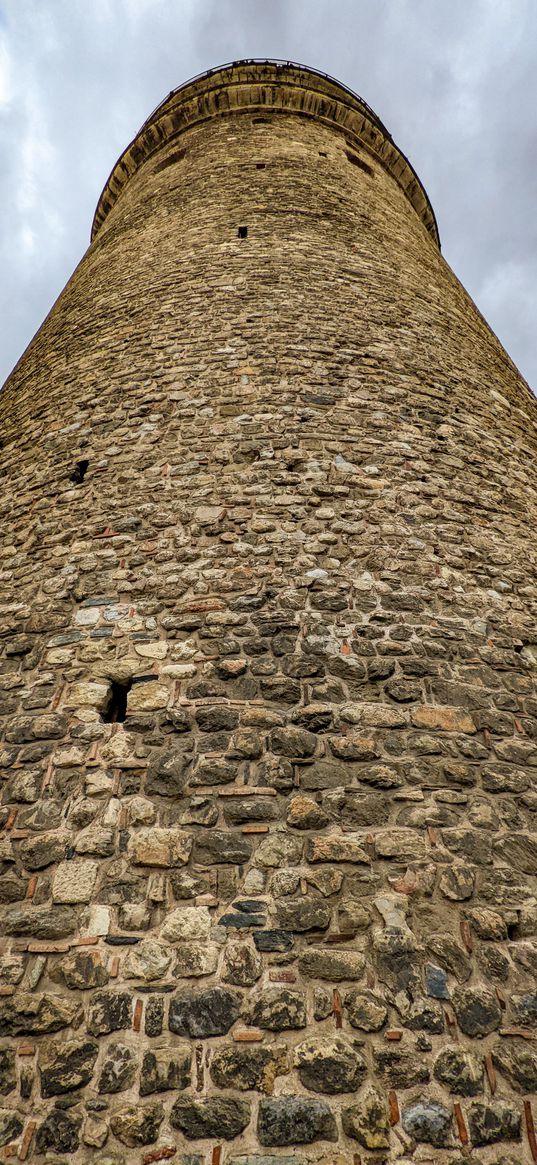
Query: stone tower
point(268, 667)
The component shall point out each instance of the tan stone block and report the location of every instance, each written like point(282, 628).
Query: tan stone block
point(74, 881)
point(95, 694)
point(160, 847)
point(149, 697)
point(444, 717)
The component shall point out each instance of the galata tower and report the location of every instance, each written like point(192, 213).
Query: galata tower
point(268, 667)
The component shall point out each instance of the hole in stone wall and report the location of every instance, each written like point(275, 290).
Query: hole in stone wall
point(260, 121)
point(79, 472)
point(323, 154)
point(356, 161)
point(260, 165)
point(242, 233)
point(116, 708)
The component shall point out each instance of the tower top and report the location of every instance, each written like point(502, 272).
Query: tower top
point(251, 86)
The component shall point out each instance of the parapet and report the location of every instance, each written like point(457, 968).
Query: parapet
point(278, 87)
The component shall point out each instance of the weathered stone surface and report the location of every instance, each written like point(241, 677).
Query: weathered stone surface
point(336, 965)
point(278, 850)
point(11, 1126)
point(189, 922)
point(490, 1123)
point(303, 914)
point(293, 1120)
point(223, 1117)
point(199, 1014)
point(109, 1011)
point(242, 965)
point(450, 955)
point(196, 959)
point(74, 881)
point(477, 1009)
point(211, 848)
point(367, 1121)
point(277, 1010)
point(337, 848)
point(81, 969)
point(149, 960)
point(59, 1132)
point(137, 1124)
point(164, 1069)
point(517, 1061)
point(329, 1065)
point(365, 1010)
point(40, 922)
point(35, 1014)
point(249, 1067)
point(118, 1069)
point(306, 814)
point(65, 1066)
point(8, 1071)
point(160, 847)
point(460, 1071)
point(400, 1067)
point(428, 1121)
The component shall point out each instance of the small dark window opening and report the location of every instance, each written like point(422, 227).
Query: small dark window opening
point(323, 154)
point(356, 161)
point(260, 121)
point(79, 472)
point(260, 165)
point(242, 233)
point(116, 708)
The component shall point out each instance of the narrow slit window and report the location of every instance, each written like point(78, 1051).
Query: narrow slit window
point(356, 161)
point(79, 472)
point(242, 233)
point(261, 165)
point(116, 708)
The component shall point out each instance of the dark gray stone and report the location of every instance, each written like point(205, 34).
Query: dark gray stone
point(59, 1132)
point(165, 1069)
point(477, 1009)
point(517, 1060)
point(399, 1067)
point(273, 940)
point(489, 1123)
point(223, 1117)
point(109, 1011)
point(8, 1072)
point(329, 1065)
point(293, 1120)
point(429, 1122)
point(276, 1010)
point(220, 846)
point(11, 1127)
point(460, 1071)
point(65, 1067)
point(200, 1014)
point(248, 1067)
point(303, 914)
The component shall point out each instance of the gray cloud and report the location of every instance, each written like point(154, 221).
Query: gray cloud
point(454, 81)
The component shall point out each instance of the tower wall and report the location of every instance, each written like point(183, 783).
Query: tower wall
point(277, 492)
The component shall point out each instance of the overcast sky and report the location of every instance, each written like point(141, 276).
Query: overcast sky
point(455, 82)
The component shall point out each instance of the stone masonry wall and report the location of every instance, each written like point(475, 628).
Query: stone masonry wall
point(279, 493)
